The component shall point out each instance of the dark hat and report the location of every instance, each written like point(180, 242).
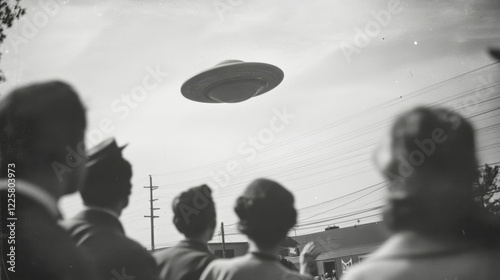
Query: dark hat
point(104, 150)
point(108, 173)
point(495, 53)
point(232, 81)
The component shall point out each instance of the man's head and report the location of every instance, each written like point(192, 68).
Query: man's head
point(107, 183)
point(42, 127)
point(194, 213)
point(266, 211)
point(432, 169)
point(431, 143)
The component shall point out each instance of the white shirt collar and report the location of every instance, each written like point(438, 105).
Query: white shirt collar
point(36, 193)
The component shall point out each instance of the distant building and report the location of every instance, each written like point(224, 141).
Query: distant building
point(340, 247)
point(236, 249)
point(233, 249)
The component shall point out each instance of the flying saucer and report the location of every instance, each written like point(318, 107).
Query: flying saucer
point(232, 81)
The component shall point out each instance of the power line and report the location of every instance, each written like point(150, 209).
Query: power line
point(366, 111)
point(315, 159)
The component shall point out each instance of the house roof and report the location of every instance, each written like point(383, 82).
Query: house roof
point(334, 243)
point(349, 241)
point(227, 243)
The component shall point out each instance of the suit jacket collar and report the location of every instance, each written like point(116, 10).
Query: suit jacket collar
point(100, 218)
point(193, 244)
point(110, 212)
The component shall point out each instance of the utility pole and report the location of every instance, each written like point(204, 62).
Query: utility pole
point(152, 216)
point(223, 240)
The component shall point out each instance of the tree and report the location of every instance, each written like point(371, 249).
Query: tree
point(487, 191)
point(8, 13)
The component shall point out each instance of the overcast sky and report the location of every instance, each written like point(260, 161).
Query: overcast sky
point(350, 67)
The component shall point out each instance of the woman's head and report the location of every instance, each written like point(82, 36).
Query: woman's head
point(194, 212)
point(266, 212)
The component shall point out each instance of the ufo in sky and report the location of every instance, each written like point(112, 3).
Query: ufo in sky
point(232, 81)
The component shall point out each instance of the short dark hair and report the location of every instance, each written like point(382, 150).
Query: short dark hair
point(37, 123)
point(194, 211)
point(107, 182)
point(266, 211)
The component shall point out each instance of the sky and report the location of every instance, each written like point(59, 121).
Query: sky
point(350, 67)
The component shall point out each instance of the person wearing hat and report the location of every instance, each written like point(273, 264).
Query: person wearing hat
point(41, 126)
point(439, 232)
point(266, 212)
point(97, 229)
point(195, 218)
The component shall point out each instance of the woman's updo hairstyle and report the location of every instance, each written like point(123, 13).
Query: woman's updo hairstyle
point(194, 211)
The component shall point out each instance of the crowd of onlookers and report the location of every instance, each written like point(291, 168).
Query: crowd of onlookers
point(438, 230)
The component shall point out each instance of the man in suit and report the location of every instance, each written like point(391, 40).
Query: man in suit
point(194, 216)
point(41, 154)
point(97, 229)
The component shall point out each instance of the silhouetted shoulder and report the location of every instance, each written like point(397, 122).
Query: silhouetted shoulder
point(186, 260)
point(249, 267)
